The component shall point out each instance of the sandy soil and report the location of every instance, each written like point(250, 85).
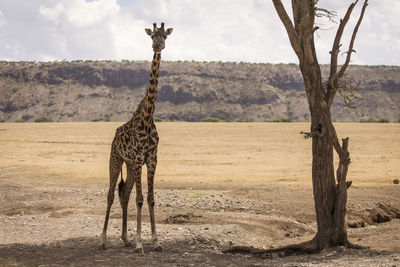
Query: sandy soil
point(53, 215)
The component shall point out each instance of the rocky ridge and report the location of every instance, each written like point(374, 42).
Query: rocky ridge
point(188, 91)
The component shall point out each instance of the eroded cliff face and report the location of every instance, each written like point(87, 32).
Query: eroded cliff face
point(190, 91)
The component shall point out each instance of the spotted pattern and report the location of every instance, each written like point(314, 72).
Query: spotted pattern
point(135, 144)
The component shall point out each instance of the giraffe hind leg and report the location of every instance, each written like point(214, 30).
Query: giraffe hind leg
point(121, 187)
point(114, 169)
point(124, 199)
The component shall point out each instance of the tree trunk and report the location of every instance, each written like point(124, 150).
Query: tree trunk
point(323, 178)
point(330, 198)
point(323, 188)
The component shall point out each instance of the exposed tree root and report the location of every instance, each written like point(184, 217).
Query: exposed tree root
point(295, 249)
point(354, 246)
point(309, 247)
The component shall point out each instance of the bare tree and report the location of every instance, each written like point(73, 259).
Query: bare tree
point(330, 196)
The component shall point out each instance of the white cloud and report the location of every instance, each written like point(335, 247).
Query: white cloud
point(217, 30)
point(51, 13)
point(83, 14)
point(2, 21)
point(224, 30)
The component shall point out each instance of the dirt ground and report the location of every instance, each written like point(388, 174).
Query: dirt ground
point(53, 215)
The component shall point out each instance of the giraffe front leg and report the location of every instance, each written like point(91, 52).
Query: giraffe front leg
point(139, 204)
point(151, 168)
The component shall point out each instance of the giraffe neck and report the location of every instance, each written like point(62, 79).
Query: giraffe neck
point(151, 94)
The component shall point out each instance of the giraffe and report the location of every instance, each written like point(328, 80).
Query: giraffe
point(135, 143)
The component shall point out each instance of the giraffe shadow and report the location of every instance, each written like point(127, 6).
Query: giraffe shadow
point(84, 251)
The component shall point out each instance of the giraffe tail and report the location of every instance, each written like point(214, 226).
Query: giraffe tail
point(121, 187)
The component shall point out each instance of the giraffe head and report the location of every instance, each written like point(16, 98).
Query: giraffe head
point(158, 35)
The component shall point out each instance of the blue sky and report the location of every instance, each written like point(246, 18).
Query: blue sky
point(204, 30)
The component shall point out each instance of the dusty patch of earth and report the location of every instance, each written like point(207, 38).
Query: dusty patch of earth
point(53, 223)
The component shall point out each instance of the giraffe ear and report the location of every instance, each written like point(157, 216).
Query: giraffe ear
point(149, 32)
point(168, 31)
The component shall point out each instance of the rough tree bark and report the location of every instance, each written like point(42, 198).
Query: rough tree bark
point(330, 196)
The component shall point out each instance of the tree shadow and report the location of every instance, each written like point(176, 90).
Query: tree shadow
point(85, 251)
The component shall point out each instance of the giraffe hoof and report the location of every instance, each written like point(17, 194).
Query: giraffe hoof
point(158, 249)
point(139, 250)
point(128, 244)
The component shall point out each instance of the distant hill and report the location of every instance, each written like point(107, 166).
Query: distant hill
point(189, 91)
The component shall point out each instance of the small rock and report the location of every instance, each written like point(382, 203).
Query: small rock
point(333, 253)
point(396, 181)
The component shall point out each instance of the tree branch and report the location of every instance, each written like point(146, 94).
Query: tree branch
point(284, 17)
point(322, 12)
point(307, 36)
point(341, 194)
point(333, 78)
point(353, 37)
point(341, 175)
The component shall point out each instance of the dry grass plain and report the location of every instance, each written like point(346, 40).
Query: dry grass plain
point(217, 184)
point(202, 155)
